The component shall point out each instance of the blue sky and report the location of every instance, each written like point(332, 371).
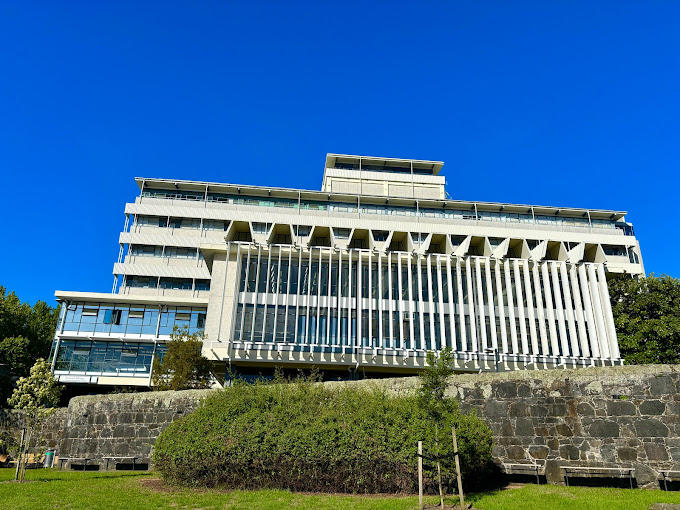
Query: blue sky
point(555, 103)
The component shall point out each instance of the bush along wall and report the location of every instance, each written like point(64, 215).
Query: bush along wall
point(311, 437)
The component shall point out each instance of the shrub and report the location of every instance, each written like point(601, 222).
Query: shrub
point(312, 437)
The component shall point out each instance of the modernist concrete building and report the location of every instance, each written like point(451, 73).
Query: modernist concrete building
point(360, 278)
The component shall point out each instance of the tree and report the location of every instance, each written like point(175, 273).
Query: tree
point(434, 381)
point(647, 318)
point(183, 366)
point(37, 396)
point(26, 334)
point(16, 356)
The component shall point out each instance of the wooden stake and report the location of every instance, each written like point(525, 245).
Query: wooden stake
point(420, 475)
point(21, 454)
point(460, 478)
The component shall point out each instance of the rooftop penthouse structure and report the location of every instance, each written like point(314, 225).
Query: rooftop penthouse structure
point(361, 278)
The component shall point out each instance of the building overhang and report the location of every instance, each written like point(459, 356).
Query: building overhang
point(327, 196)
point(107, 297)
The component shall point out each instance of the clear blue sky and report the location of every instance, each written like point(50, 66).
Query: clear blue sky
point(556, 103)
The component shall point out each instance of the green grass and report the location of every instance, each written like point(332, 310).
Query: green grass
point(126, 490)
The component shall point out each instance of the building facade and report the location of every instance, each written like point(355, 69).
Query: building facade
point(360, 278)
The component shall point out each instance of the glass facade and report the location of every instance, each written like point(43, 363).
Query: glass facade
point(125, 319)
point(107, 358)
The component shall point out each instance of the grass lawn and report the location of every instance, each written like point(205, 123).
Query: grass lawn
point(131, 491)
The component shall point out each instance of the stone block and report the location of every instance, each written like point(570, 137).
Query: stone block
point(604, 428)
point(524, 427)
point(652, 407)
point(495, 408)
point(524, 391)
point(538, 411)
point(539, 452)
point(569, 452)
point(674, 452)
point(644, 474)
point(621, 408)
point(627, 454)
point(541, 431)
point(656, 451)
point(516, 453)
point(553, 471)
point(506, 428)
point(564, 430)
point(650, 428)
point(506, 389)
point(661, 385)
point(518, 409)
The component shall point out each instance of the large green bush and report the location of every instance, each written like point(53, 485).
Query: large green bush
point(311, 437)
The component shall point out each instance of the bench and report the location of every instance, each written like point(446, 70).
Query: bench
point(107, 459)
point(620, 472)
point(63, 460)
point(669, 476)
point(510, 468)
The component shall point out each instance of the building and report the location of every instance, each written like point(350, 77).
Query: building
point(360, 278)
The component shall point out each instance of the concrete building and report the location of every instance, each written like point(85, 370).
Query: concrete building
point(360, 278)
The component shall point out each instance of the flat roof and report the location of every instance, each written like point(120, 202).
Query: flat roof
point(421, 164)
point(264, 191)
point(107, 297)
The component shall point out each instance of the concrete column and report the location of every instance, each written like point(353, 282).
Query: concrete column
point(359, 340)
point(547, 290)
point(276, 295)
point(452, 306)
point(391, 301)
point(607, 312)
point(340, 299)
point(511, 307)
point(245, 288)
point(471, 304)
point(520, 307)
point(481, 305)
point(539, 309)
point(557, 296)
point(530, 307)
point(442, 318)
point(432, 305)
point(399, 300)
point(370, 301)
point(501, 307)
point(597, 308)
point(329, 296)
point(571, 322)
point(589, 311)
point(381, 341)
point(255, 293)
point(461, 306)
point(288, 296)
point(580, 318)
point(490, 297)
point(421, 300)
point(410, 303)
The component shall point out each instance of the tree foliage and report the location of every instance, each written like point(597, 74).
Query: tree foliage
point(307, 436)
point(183, 367)
point(26, 334)
point(434, 381)
point(647, 318)
point(37, 396)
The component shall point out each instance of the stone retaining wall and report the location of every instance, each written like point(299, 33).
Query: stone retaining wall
point(608, 417)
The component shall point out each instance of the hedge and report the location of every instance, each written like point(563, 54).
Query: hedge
point(311, 437)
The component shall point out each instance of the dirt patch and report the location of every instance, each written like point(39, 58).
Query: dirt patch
point(156, 485)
